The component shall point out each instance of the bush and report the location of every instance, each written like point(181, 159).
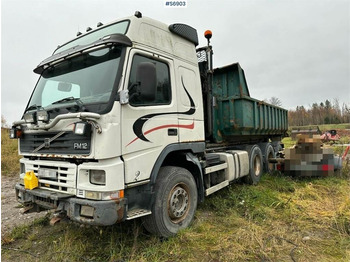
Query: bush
point(9, 154)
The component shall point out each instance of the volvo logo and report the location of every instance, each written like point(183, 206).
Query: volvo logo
point(47, 142)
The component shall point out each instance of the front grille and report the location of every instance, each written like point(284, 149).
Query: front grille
point(65, 179)
point(67, 143)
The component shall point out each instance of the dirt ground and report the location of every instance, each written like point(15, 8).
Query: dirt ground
point(11, 211)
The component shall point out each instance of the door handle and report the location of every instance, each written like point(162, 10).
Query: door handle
point(172, 132)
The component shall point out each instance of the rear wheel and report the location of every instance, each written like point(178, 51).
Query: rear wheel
point(175, 202)
point(268, 153)
point(255, 165)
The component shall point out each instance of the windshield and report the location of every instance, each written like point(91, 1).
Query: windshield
point(86, 80)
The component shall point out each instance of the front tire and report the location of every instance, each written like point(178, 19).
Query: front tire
point(175, 202)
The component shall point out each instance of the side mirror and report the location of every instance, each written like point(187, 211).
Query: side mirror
point(147, 77)
point(64, 87)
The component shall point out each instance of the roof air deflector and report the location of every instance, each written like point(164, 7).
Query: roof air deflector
point(185, 31)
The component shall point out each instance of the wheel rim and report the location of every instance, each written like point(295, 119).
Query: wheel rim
point(178, 203)
point(257, 166)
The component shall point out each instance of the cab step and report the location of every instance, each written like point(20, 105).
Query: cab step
point(217, 187)
point(135, 213)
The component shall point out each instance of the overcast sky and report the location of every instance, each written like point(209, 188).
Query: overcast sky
point(298, 51)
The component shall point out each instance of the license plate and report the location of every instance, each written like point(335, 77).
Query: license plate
point(47, 173)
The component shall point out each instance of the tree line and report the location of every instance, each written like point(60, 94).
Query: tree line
point(319, 114)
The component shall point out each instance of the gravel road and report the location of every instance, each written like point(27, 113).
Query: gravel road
point(11, 211)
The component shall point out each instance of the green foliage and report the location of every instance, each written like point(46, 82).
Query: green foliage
point(324, 127)
point(9, 154)
point(288, 142)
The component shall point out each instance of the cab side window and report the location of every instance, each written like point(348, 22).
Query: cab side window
point(163, 90)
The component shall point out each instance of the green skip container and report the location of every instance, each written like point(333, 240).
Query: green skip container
point(238, 118)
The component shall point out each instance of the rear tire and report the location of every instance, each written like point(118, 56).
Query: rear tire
point(269, 153)
point(175, 202)
point(255, 165)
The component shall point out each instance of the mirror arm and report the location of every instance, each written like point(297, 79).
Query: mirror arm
point(124, 94)
point(137, 92)
point(135, 85)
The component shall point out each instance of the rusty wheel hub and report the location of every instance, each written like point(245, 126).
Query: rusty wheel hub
point(178, 203)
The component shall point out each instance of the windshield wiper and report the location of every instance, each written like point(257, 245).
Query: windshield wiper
point(79, 103)
point(66, 99)
point(33, 107)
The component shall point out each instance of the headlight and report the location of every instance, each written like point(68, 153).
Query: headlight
point(93, 195)
point(98, 177)
point(42, 115)
point(104, 195)
point(15, 133)
point(82, 128)
point(113, 195)
point(30, 117)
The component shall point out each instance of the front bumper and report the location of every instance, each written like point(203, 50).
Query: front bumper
point(103, 213)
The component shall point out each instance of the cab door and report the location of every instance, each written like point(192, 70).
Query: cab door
point(149, 122)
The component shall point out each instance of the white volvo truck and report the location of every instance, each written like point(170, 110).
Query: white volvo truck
point(130, 120)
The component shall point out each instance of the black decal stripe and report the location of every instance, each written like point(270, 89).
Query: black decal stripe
point(138, 124)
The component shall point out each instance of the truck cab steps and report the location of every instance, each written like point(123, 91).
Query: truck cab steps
point(220, 166)
point(136, 213)
point(217, 187)
point(216, 168)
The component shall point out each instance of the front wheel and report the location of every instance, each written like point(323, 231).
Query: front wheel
point(175, 202)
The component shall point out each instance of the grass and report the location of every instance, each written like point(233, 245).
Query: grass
point(325, 127)
point(280, 219)
point(9, 154)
